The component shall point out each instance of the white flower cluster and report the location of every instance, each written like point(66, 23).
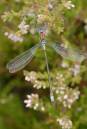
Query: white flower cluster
point(14, 37)
point(23, 27)
point(39, 85)
point(33, 101)
point(59, 76)
point(68, 4)
point(59, 80)
point(67, 96)
point(65, 123)
point(32, 77)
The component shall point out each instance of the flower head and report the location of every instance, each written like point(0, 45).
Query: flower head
point(65, 123)
point(34, 102)
point(68, 4)
point(30, 76)
point(14, 37)
point(24, 28)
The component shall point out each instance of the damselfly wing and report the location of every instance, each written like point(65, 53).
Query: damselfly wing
point(71, 54)
point(60, 50)
point(22, 60)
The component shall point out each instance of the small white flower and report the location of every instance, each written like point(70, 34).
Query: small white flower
point(65, 96)
point(42, 109)
point(37, 84)
point(36, 106)
point(32, 101)
point(6, 33)
point(30, 76)
point(24, 28)
point(69, 5)
point(65, 123)
point(59, 98)
point(57, 91)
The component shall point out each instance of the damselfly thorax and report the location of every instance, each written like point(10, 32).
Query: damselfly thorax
point(43, 44)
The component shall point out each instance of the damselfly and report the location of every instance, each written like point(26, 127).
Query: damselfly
point(23, 59)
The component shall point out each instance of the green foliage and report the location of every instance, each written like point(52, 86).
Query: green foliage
point(65, 26)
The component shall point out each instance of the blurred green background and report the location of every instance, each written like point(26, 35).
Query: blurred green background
point(14, 88)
